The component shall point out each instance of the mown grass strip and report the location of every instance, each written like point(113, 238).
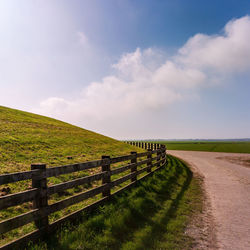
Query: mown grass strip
point(153, 215)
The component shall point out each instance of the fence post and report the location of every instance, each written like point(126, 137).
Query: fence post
point(41, 200)
point(158, 156)
point(106, 178)
point(134, 168)
point(149, 164)
point(163, 153)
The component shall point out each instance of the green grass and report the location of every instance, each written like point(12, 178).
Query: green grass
point(153, 215)
point(215, 146)
point(27, 138)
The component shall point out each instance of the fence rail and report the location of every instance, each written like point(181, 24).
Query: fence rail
point(40, 192)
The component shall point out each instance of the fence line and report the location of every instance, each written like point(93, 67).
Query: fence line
point(40, 192)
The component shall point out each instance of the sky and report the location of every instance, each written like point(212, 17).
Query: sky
point(130, 69)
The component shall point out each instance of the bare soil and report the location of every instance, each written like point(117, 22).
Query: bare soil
point(201, 225)
point(243, 160)
point(227, 199)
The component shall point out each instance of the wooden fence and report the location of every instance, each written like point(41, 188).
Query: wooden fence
point(40, 193)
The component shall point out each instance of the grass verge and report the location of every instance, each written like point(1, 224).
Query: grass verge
point(153, 215)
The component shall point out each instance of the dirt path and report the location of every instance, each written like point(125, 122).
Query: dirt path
point(227, 183)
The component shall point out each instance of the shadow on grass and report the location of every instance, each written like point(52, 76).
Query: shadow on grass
point(156, 227)
point(134, 219)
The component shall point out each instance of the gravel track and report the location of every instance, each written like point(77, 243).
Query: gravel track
point(227, 184)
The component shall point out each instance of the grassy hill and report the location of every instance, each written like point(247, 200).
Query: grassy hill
point(153, 216)
point(27, 138)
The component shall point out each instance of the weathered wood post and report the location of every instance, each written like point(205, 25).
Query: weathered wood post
point(163, 153)
point(106, 176)
point(158, 155)
point(134, 168)
point(41, 200)
point(149, 164)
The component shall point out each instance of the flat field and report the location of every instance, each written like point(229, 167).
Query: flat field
point(210, 146)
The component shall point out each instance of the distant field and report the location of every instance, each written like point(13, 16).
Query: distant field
point(219, 146)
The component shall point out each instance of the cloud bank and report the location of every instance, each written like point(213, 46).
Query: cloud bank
point(142, 84)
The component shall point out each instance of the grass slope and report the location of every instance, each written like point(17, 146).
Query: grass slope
point(27, 138)
point(231, 147)
point(154, 215)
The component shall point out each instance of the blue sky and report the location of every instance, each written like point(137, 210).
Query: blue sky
point(130, 69)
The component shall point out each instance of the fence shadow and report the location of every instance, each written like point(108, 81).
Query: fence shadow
point(140, 220)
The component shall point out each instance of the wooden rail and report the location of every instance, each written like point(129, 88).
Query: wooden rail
point(40, 192)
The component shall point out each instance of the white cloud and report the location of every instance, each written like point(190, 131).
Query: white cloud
point(227, 53)
point(142, 84)
point(82, 38)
